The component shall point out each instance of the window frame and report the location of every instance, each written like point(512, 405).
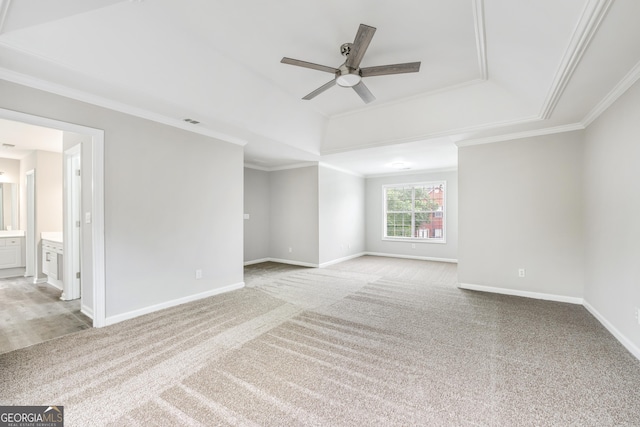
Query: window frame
point(413, 186)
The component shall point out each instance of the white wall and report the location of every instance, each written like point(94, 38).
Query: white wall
point(257, 205)
point(293, 215)
point(173, 203)
point(341, 216)
point(374, 218)
point(612, 224)
point(48, 197)
point(521, 207)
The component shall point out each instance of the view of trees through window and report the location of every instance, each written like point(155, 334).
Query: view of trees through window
point(415, 211)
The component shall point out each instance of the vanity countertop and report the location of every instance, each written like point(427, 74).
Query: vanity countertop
point(52, 236)
point(11, 233)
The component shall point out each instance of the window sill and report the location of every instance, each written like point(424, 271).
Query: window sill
point(413, 240)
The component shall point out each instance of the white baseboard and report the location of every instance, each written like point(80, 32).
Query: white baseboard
point(146, 310)
point(292, 262)
point(281, 261)
point(339, 260)
point(257, 261)
point(421, 258)
point(626, 342)
point(518, 293)
point(87, 311)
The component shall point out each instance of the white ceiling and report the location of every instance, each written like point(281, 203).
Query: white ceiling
point(491, 69)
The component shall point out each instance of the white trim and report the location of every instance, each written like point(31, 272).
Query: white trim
point(292, 262)
point(592, 15)
point(443, 239)
point(97, 183)
point(38, 280)
point(86, 311)
point(257, 261)
point(618, 90)
point(626, 342)
point(153, 308)
point(481, 43)
point(413, 172)
point(292, 166)
point(97, 230)
point(421, 258)
point(519, 293)
point(519, 135)
point(339, 260)
point(339, 169)
point(79, 95)
point(256, 167)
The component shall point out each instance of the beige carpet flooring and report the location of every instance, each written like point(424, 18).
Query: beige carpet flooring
point(372, 341)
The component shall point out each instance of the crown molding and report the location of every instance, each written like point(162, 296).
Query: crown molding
point(339, 169)
point(590, 20)
point(78, 95)
point(617, 91)
point(481, 43)
point(412, 172)
point(256, 167)
point(520, 135)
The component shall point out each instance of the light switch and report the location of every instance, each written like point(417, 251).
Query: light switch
point(246, 216)
point(87, 217)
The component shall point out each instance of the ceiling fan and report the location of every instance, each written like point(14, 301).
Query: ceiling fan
point(350, 74)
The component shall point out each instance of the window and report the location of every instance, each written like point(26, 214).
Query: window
point(415, 211)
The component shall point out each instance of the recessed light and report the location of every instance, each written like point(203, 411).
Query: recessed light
point(400, 165)
point(5, 145)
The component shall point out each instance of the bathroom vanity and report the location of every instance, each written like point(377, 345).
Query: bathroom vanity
point(52, 264)
point(11, 249)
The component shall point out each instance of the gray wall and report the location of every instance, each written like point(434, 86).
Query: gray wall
point(374, 223)
point(257, 205)
point(612, 208)
point(293, 215)
point(521, 207)
point(342, 214)
point(173, 202)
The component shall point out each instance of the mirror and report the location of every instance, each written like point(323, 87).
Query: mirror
point(9, 206)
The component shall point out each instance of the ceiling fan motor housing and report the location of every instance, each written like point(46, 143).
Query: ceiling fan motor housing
point(345, 49)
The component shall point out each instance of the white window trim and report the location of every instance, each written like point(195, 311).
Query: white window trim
point(443, 240)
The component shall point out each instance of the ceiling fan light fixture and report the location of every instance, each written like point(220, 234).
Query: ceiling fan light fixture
point(348, 80)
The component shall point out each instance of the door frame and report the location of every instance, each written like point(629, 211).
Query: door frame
point(72, 227)
point(96, 182)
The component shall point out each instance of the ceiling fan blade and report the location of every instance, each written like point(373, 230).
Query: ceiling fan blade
point(360, 45)
point(311, 65)
point(383, 70)
point(320, 89)
point(364, 92)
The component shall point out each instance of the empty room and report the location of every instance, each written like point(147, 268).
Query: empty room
point(320, 213)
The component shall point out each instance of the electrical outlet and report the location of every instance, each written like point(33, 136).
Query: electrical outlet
point(198, 274)
point(638, 315)
point(413, 246)
point(522, 272)
point(290, 250)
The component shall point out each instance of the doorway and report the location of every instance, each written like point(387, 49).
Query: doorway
point(90, 249)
